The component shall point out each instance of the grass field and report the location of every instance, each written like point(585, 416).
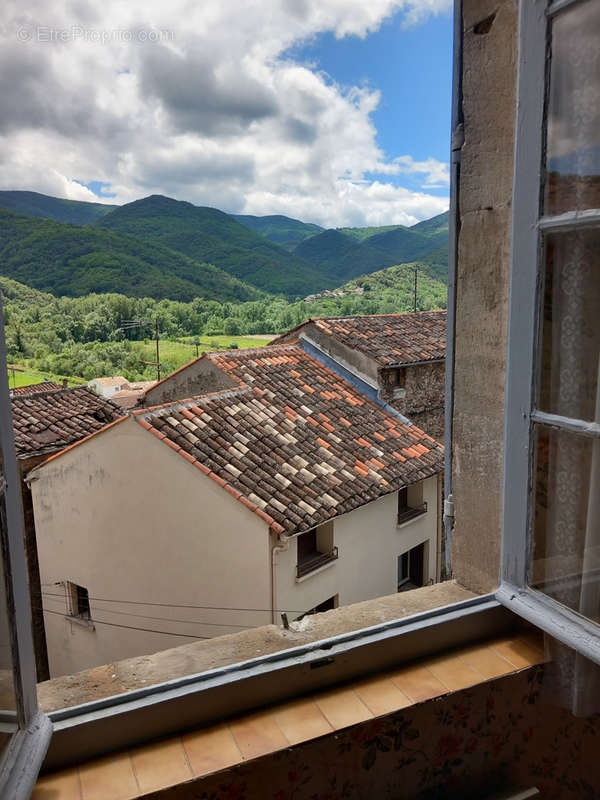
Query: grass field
point(28, 376)
point(172, 356)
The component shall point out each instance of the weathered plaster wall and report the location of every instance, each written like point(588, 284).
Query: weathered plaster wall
point(131, 520)
point(369, 543)
point(198, 377)
point(33, 569)
point(423, 402)
point(489, 77)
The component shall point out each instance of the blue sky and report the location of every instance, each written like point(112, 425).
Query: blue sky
point(327, 111)
point(413, 116)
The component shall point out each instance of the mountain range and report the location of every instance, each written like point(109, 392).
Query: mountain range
point(161, 247)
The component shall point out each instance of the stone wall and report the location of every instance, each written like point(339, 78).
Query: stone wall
point(489, 82)
point(197, 377)
point(423, 400)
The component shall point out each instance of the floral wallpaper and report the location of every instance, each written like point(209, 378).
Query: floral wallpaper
point(468, 744)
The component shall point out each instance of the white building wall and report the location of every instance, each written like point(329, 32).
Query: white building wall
point(369, 542)
point(129, 519)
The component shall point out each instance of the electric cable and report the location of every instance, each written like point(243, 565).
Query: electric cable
point(174, 605)
point(163, 619)
point(132, 628)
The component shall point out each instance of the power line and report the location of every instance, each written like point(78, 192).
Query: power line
point(133, 628)
point(163, 619)
point(172, 605)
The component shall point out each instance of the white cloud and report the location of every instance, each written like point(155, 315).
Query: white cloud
point(200, 102)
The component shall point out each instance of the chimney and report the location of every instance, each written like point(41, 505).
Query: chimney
point(65, 383)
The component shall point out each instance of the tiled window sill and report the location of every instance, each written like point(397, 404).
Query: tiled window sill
point(137, 772)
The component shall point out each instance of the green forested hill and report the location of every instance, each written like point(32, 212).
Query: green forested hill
point(284, 231)
point(433, 225)
point(41, 205)
point(360, 234)
point(340, 257)
point(346, 253)
point(207, 234)
point(75, 260)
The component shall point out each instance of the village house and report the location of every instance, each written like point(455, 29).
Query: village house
point(287, 491)
point(108, 387)
point(44, 423)
point(398, 356)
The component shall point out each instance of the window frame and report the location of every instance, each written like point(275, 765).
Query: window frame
point(28, 745)
point(528, 226)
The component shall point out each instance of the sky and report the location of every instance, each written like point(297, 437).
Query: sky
point(330, 111)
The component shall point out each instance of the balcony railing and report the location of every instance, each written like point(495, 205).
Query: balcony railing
point(315, 561)
point(408, 513)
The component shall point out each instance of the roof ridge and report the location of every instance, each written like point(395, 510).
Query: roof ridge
point(153, 411)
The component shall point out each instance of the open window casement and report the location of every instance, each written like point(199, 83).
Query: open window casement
point(24, 730)
point(551, 524)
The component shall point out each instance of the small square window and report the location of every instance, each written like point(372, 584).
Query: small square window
point(78, 600)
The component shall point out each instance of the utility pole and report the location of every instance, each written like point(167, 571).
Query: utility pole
point(197, 344)
point(416, 282)
point(129, 324)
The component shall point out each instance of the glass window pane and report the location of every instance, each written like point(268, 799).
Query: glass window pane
point(566, 524)
point(573, 146)
point(571, 325)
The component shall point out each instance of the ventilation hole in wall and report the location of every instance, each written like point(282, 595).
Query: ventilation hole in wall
point(485, 26)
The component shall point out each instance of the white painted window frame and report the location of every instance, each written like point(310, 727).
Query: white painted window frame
point(528, 226)
point(30, 730)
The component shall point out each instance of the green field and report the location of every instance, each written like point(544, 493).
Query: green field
point(175, 354)
point(29, 376)
point(172, 356)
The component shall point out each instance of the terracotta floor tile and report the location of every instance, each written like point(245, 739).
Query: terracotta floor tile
point(453, 672)
point(301, 720)
point(211, 749)
point(63, 785)
point(257, 734)
point(159, 765)
point(486, 661)
point(381, 695)
point(519, 652)
point(342, 707)
point(418, 683)
point(108, 778)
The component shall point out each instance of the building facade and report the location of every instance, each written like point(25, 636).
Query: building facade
point(244, 504)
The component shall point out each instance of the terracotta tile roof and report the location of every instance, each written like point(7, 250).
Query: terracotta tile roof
point(389, 338)
point(295, 442)
point(34, 388)
point(44, 423)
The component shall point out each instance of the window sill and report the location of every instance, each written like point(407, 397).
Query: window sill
point(322, 714)
point(162, 709)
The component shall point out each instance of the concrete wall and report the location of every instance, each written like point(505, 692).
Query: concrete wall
point(485, 196)
point(198, 377)
point(423, 401)
point(369, 543)
point(129, 519)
